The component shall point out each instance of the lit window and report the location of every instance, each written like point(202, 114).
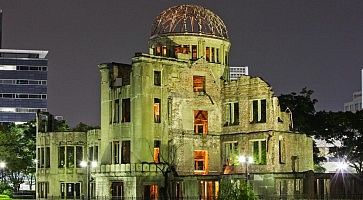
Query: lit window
point(198, 83)
point(69, 156)
point(194, 52)
point(165, 51)
point(156, 151)
point(151, 192)
point(201, 122)
point(70, 190)
point(200, 162)
point(207, 54)
point(157, 110)
point(209, 189)
point(259, 150)
point(258, 111)
point(43, 189)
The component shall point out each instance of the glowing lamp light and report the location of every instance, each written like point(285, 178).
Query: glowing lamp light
point(342, 166)
point(83, 163)
point(2, 165)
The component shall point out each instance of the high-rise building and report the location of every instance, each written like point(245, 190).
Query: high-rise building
point(236, 72)
point(354, 105)
point(23, 84)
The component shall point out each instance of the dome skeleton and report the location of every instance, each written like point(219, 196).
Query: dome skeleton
point(189, 19)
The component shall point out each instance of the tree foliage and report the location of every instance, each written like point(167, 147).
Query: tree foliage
point(235, 189)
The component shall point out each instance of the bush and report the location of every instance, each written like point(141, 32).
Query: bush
point(235, 189)
point(4, 197)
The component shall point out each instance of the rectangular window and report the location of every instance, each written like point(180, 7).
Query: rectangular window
point(90, 153)
point(70, 190)
point(207, 54)
point(43, 189)
point(158, 50)
point(282, 151)
point(126, 110)
point(157, 78)
point(209, 189)
point(194, 52)
point(200, 122)
point(199, 84)
point(200, 162)
point(156, 151)
point(258, 111)
point(212, 55)
point(116, 115)
point(70, 156)
point(95, 157)
point(41, 157)
point(151, 192)
point(217, 54)
point(226, 58)
point(47, 157)
point(125, 158)
point(259, 150)
point(116, 152)
point(117, 190)
point(165, 51)
point(186, 49)
point(157, 110)
point(79, 155)
point(61, 157)
point(232, 113)
point(231, 153)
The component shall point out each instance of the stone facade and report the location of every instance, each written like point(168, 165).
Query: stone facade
point(173, 120)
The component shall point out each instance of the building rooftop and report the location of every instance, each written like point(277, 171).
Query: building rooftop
point(41, 54)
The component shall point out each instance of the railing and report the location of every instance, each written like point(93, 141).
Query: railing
point(130, 168)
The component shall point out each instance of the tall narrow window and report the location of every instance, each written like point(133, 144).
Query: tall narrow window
point(157, 78)
point(42, 157)
point(207, 54)
point(194, 52)
point(217, 54)
point(231, 153)
point(151, 192)
point(201, 122)
point(212, 55)
point(79, 155)
point(258, 111)
point(116, 116)
point(125, 158)
point(282, 154)
point(198, 83)
point(116, 152)
point(47, 157)
point(61, 157)
point(200, 162)
point(232, 113)
point(259, 149)
point(90, 153)
point(126, 110)
point(165, 51)
point(158, 50)
point(157, 110)
point(70, 156)
point(43, 189)
point(156, 151)
point(186, 49)
point(226, 58)
point(95, 157)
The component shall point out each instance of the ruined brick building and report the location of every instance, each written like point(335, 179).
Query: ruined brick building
point(175, 108)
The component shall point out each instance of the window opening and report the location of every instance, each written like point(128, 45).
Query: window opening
point(207, 54)
point(200, 162)
point(194, 52)
point(199, 84)
point(125, 158)
point(201, 122)
point(258, 112)
point(157, 78)
point(157, 151)
point(157, 110)
point(259, 149)
point(126, 110)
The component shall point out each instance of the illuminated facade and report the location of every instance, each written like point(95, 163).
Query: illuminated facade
point(173, 120)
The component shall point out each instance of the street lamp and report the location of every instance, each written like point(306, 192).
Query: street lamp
point(245, 160)
point(88, 165)
point(2, 168)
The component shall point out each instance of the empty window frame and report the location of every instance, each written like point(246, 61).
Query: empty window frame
point(217, 55)
point(115, 151)
point(156, 109)
point(165, 51)
point(259, 152)
point(126, 152)
point(158, 51)
point(157, 78)
point(207, 54)
point(199, 83)
point(212, 54)
point(230, 153)
point(232, 112)
point(194, 52)
point(43, 189)
point(282, 151)
point(209, 189)
point(156, 155)
point(200, 162)
point(126, 110)
point(43, 157)
point(116, 111)
point(70, 190)
point(70, 156)
point(258, 111)
point(200, 122)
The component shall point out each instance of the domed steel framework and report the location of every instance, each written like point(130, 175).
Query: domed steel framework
point(189, 19)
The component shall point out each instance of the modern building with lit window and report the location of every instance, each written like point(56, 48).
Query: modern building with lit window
point(173, 125)
point(236, 72)
point(23, 84)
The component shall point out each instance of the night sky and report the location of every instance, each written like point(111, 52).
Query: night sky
point(290, 43)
